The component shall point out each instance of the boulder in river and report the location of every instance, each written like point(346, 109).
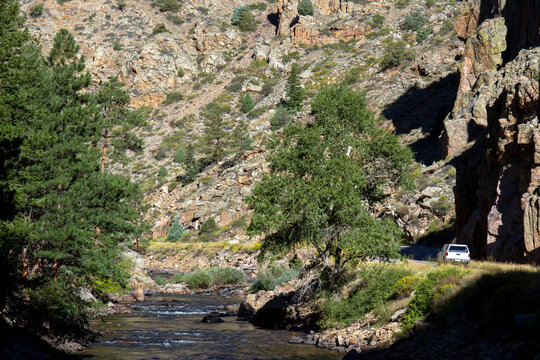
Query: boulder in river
point(212, 318)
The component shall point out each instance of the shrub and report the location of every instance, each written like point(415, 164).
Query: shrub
point(175, 231)
point(396, 53)
point(247, 103)
point(273, 276)
point(268, 86)
point(377, 21)
point(198, 280)
point(235, 20)
point(236, 83)
point(423, 34)
point(158, 29)
point(117, 46)
point(413, 21)
point(209, 226)
point(379, 286)
point(258, 6)
point(406, 285)
point(226, 275)
point(163, 172)
point(167, 5)
point(121, 4)
point(180, 155)
point(430, 3)
point(244, 19)
point(175, 19)
point(172, 97)
point(400, 4)
point(160, 280)
point(36, 10)
point(290, 56)
point(281, 118)
point(305, 7)
point(180, 72)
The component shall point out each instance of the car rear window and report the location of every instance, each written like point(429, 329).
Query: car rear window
point(460, 248)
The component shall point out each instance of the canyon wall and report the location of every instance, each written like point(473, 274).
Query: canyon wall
point(493, 130)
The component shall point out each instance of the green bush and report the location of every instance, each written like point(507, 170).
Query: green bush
point(160, 280)
point(175, 231)
point(281, 118)
point(378, 287)
point(180, 155)
point(290, 57)
point(426, 291)
point(247, 104)
point(117, 46)
point(273, 276)
point(209, 226)
point(244, 19)
point(396, 53)
point(36, 10)
point(400, 4)
point(423, 34)
point(377, 21)
point(236, 84)
point(163, 172)
point(121, 4)
point(226, 275)
point(413, 21)
point(305, 7)
point(180, 72)
point(258, 6)
point(167, 5)
point(198, 280)
point(160, 28)
point(172, 97)
point(235, 20)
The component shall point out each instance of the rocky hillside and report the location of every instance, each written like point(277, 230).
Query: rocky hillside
point(493, 131)
point(181, 60)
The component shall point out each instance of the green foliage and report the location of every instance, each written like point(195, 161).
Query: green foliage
point(413, 21)
point(400, 4)
point(180, 72)
point(247, 104)
point(209, 226)
point(36, 10)
point(121, 4)
point(395, 53)
point(426, 292)
point(172, 97)
point(192, 167)
point(175, 231)
point(295, 92)
point(180, 155)
point(280, 118)
point(305, 7)
point(244, 19)
point(236, 83)
point(377, 21)
point(378, 287)
point(240, 138)
point(441, 206)
point(323, 179)
point(162, 172)
point(273, 276)
point(423, 34)
point(430, 3)
point(290, 57)
point(117, 46)
point(203, 279)
point(167, 5)
point(258, 6)
point(160, 28)
point(57, 205)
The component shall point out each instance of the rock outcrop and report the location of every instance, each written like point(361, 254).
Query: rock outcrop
point(493, 131)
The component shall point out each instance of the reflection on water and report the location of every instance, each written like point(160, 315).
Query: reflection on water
point(170, 327)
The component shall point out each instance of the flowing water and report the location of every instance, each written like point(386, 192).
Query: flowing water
point(170, 327)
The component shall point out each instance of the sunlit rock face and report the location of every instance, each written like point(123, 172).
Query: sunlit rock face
point(493, 130)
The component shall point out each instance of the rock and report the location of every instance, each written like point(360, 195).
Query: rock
point(138, 294)
point(397, 315)
point(287, 13)
point(212, 318)
point(231, 310)
point(296, 340)
point(245, 311)
point(272, 313)
point(351, 355)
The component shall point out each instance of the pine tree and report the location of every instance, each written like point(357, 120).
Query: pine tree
point(114, 101)
point(215, 139)
point(295, 92)
point(247, 104)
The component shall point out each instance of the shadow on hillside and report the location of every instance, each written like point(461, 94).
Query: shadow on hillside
point(424, 109)
point(496, 316)
point(438, 238)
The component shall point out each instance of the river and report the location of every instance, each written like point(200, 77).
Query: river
point(170, 327)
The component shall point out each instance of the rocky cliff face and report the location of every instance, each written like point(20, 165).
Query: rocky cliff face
point(493, 131)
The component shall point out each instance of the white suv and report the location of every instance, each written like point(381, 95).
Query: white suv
point(454, 252)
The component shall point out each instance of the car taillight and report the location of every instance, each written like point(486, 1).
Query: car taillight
point(469, 255)
point(447, 253)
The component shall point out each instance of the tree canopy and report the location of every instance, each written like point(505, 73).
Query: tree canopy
point(65, 218)
point(325, 178)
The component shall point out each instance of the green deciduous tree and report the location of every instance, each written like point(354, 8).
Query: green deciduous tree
point(324, 180)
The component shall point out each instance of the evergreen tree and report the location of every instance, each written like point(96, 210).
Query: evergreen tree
point(324, 180)
point(247, 104)
point(114, 101)
point(240, 137)
point(215, 139)
point(295, 92)
point(192, 167)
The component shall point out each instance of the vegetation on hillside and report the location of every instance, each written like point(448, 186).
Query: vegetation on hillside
point(63, 216)
point(324, 178)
